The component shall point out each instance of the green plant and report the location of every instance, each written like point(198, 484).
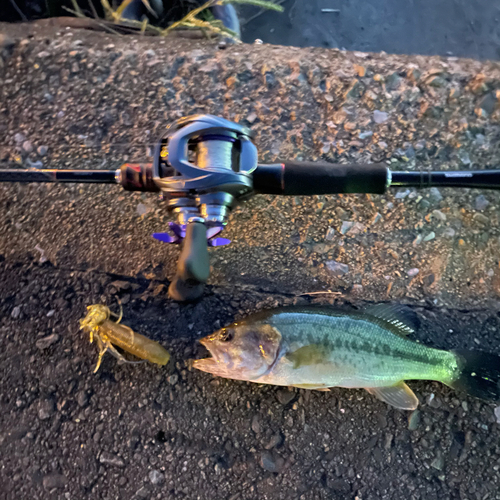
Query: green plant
point(206, 22)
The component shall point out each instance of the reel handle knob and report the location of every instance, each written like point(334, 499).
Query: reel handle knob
point(193, 266)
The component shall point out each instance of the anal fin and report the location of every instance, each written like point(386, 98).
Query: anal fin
point(399, 395)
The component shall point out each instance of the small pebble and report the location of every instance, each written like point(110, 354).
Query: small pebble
point(51, 481)
point(376, 218)
point(173, 379)
point(43, 256)
point(346, 226)
point(142, 209)
point(46, 409)
point(365, 135)
point(437, 214)
point(110, 459)
point(414, 420)
point(270, 463)
point(380, 116)
point(330, 234)
point(481, 219)
point(16, 312)
point(489, 103)
point(438, 82)
point(251, 117)
point(46, 342)
point(256, 424)
point(142, 493)
point(42, 150)
point(433, 401)
point(284, 397)
point(438, 462)
point(357, 228)
point(337, 268)
point(423, 205)
point(449, 232)
point(435, 195)
point(412, 272)
point(417, 240)
point(430, 236)
point(51, 313)
point(34, 164)
point(27, 147)
point(481, 202)
point(82, 398)
point(464, 157)
point(410, 152)
point(497, 414)
point(275, 440)
point(19, 138)
point(156, 477)
point(480, 139)
point(401, 195)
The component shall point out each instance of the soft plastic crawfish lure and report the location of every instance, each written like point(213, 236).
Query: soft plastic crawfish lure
point(108, 333)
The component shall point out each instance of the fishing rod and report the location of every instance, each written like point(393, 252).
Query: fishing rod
point(204, 164)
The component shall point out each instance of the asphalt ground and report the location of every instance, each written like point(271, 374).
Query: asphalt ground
point(141, 431)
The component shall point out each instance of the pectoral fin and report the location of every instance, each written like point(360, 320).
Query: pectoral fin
point(312, 387)
point(307, 355)
point(399, 395)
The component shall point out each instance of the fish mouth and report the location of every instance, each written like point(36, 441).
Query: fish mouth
point(205, 364)
point(209, 363)
point(204, 343)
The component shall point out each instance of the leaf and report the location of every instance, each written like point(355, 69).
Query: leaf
point(263, 4)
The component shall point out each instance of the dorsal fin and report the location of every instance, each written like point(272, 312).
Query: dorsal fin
point(401, 317)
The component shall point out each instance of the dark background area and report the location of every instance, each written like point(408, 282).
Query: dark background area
point(463, 28)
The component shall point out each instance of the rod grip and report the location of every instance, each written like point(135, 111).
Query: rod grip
point(309, 178)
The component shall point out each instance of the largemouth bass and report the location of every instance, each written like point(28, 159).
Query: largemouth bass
point(318, 348)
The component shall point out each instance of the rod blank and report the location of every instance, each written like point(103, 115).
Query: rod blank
point(86, 176)
point(485, 179)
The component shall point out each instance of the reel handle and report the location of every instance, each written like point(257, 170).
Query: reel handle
point(193, 266)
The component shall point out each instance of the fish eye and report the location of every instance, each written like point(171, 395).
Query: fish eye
point(226, 335)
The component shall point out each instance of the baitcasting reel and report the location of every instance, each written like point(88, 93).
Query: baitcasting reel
point(202, 166)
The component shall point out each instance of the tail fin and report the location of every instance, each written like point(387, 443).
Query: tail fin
point(479, 374)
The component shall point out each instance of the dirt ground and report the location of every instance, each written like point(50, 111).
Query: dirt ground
point(140, 431)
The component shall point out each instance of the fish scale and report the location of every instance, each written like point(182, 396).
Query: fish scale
point(377, 353)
